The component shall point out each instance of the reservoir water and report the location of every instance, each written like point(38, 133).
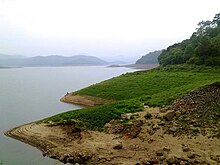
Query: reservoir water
point(29, 94)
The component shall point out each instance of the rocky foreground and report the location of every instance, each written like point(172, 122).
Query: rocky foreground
point(186, 132)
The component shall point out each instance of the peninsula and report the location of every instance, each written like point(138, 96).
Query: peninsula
point(175, 122)
point(167, 115)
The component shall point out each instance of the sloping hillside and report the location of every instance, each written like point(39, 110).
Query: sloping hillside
point(203, 48)
point(150, 58)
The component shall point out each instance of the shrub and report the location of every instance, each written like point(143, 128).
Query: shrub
point(148, 116)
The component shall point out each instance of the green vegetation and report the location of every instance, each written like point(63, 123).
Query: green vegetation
point(150, 58)
point(203, 48)
point(157, 87)
point(95, 118)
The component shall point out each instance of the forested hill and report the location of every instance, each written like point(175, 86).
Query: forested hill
point(203, 48)
point(150, 58)
point(52, 60)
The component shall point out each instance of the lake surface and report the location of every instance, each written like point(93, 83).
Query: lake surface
point(30, 94)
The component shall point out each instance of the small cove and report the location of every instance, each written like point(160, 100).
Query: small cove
point(30, 94)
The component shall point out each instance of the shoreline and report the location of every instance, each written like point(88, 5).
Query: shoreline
point(28, 134)
point(16, 133)
point(135, 66)
point(148, 144)
point(160, 139)
point(61, 146)
point(89, 101)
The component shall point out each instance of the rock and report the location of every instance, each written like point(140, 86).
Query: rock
point(155, 127)
point(134, 130)
point(166, 149)
point(44, 154)
point(161, 123)
point(184, 162)
point(191, 155)
point(117, 146)
point(138, 163)
point(114, 127)
point(173, 129)
point(185, 149)
point(85, 156)
point(160, 152)
point(178, 112)
point(124, 116)
point(75, 129)
point(63, 159)
point(169, 115)
point(71, 159)
point(150, 140)
point(154, 161)
point(215, 158)
point(162, 158)
point(172, 160)
point(146, 161)
point(151, 131)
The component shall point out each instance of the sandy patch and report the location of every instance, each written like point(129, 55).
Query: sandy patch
point(100, 148)
point(84, 100)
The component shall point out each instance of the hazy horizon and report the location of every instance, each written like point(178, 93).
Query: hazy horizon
point(106, 29)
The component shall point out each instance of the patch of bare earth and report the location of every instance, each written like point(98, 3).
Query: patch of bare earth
point(178, 134)
point(83, 100)
point(139, 141)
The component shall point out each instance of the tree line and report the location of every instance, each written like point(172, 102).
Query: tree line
point(203, 47)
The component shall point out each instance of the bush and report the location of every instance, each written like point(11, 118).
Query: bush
point(148, 116)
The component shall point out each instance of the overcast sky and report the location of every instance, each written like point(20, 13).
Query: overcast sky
point(98, 27)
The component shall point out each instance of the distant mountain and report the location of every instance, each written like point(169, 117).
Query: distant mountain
point(121, 59)
point(11, 60)
point(150, 58)
point(5, 56)
point(53, 60)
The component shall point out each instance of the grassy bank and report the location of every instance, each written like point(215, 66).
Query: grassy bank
point(157, 87)
point(94, 118)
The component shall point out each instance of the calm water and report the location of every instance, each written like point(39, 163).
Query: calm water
point(30, 94)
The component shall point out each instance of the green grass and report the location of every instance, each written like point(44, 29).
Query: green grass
point(157, 87)
point(95, 118)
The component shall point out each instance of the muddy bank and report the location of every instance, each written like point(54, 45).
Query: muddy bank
point(83, 100)
point(187, 132)
point(120, 143)
point(136, 66)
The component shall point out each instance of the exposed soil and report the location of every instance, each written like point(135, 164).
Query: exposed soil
point(197, 113)
point(153, 136)
point(83, 100)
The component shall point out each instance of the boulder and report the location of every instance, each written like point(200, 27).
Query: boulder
point(191, 155)
point(160, 152)
point(117, 146)
point(185, 149)
point(169, 115)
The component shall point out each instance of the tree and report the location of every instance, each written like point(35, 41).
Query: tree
point(204, 26)
point(216, 20)
point(203, 48)
point(188, 52)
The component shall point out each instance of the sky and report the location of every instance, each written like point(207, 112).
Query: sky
point(103, 28)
